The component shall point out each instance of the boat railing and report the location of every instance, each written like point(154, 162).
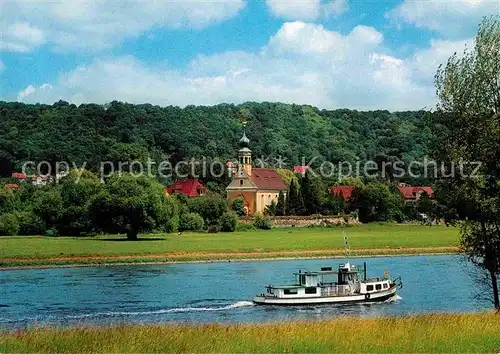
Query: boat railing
point(336, 290)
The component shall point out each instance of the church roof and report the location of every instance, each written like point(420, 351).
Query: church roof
point(267, 178)
point(244, 141)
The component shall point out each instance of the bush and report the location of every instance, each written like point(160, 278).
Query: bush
point(211, 207)
point(191, 222)
point(228, 221)
point(261, 222)
point(213, 229)
point(238, 206)
point(30, 224)
point(9, 226)
point(244, 227)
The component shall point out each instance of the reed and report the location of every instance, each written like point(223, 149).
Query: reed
point(478, 332)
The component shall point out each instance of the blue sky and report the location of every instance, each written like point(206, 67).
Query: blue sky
point(328, 53)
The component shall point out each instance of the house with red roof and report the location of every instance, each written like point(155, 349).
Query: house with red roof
point(300, 169)
point(413, 193)
point(19, 176)
point(191, 187)
point(258, 187)
point(344, 192)
point(12, 186)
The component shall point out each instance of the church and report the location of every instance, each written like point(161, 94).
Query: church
point(258, 187)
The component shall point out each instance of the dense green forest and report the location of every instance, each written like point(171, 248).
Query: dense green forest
point(123, 132)
point(119, 132)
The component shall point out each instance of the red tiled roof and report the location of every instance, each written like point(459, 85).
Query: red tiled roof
point(189, 187)
point(19, 175)
point(267, 178)
point(12, 186)
point(409, 192)
point(342, 191)
point(300, 169)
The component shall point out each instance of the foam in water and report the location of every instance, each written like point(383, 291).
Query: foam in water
point(159, 312)
point(393, 299)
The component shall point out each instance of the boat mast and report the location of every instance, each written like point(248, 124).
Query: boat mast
point(347, 248)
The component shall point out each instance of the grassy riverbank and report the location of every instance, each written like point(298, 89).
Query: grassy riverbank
point(370, 239)
point(419, 333)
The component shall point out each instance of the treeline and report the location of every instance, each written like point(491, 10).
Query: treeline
point(372, 200)
point(81, 205)
point(118, 132)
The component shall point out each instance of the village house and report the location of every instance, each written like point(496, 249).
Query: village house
point(412, 194)
point(12, 186)
point(21, 177)
point(191, 187)
point(258, 187)
point(344, 192)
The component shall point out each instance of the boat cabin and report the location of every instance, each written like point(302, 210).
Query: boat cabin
point(327, 282)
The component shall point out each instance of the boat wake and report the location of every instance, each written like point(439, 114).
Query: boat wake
point(236, 305)
point(393, 299)
point(164, 311)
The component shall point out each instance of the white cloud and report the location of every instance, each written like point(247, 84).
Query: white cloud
point(457, 18)
point(306, 9)
point(426, 61)
point(93, 25)
point(303, 9)
point(335, 7)
point(43, 93)
point(21, 37)
point(301, 63)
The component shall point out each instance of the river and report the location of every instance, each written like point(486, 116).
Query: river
point(218, 292)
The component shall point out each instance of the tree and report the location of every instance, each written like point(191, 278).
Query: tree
point(270, 209)
point(467, 121)
point(210, 207)
point(130, 205)
point(10, 200)
point(295, 203)
point(190, 222)
point(238, 206)
point(280, 206)
point(77, 190)
point(48, 206)
point(228, 221)
point(313, 192)
point(9, 225)
point(375, 202)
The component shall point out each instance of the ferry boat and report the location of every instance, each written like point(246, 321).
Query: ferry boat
point(329, 286)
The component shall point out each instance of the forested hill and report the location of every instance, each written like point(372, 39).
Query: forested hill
point(120, 132)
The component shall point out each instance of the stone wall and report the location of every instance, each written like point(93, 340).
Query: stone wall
point(303, 221)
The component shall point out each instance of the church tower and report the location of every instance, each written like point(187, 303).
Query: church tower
point(245, 154)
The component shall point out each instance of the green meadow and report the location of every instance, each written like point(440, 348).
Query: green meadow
point(444, 333)
point(278, 242)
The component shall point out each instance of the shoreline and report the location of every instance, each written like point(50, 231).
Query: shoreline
point(130, 260)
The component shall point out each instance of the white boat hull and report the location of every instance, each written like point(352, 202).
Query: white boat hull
point(355, 298)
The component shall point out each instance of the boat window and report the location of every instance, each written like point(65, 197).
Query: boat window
point(290, 291)
point(378, 287)
point(302, 279)
point(386, 285)
point(311, 290)
point(369, 288)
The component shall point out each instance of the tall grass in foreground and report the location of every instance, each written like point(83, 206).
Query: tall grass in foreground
point(416, 333)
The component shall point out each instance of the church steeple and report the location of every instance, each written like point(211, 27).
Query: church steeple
point(245, 154)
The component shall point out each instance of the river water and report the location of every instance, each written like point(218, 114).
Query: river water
point(218, 292)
